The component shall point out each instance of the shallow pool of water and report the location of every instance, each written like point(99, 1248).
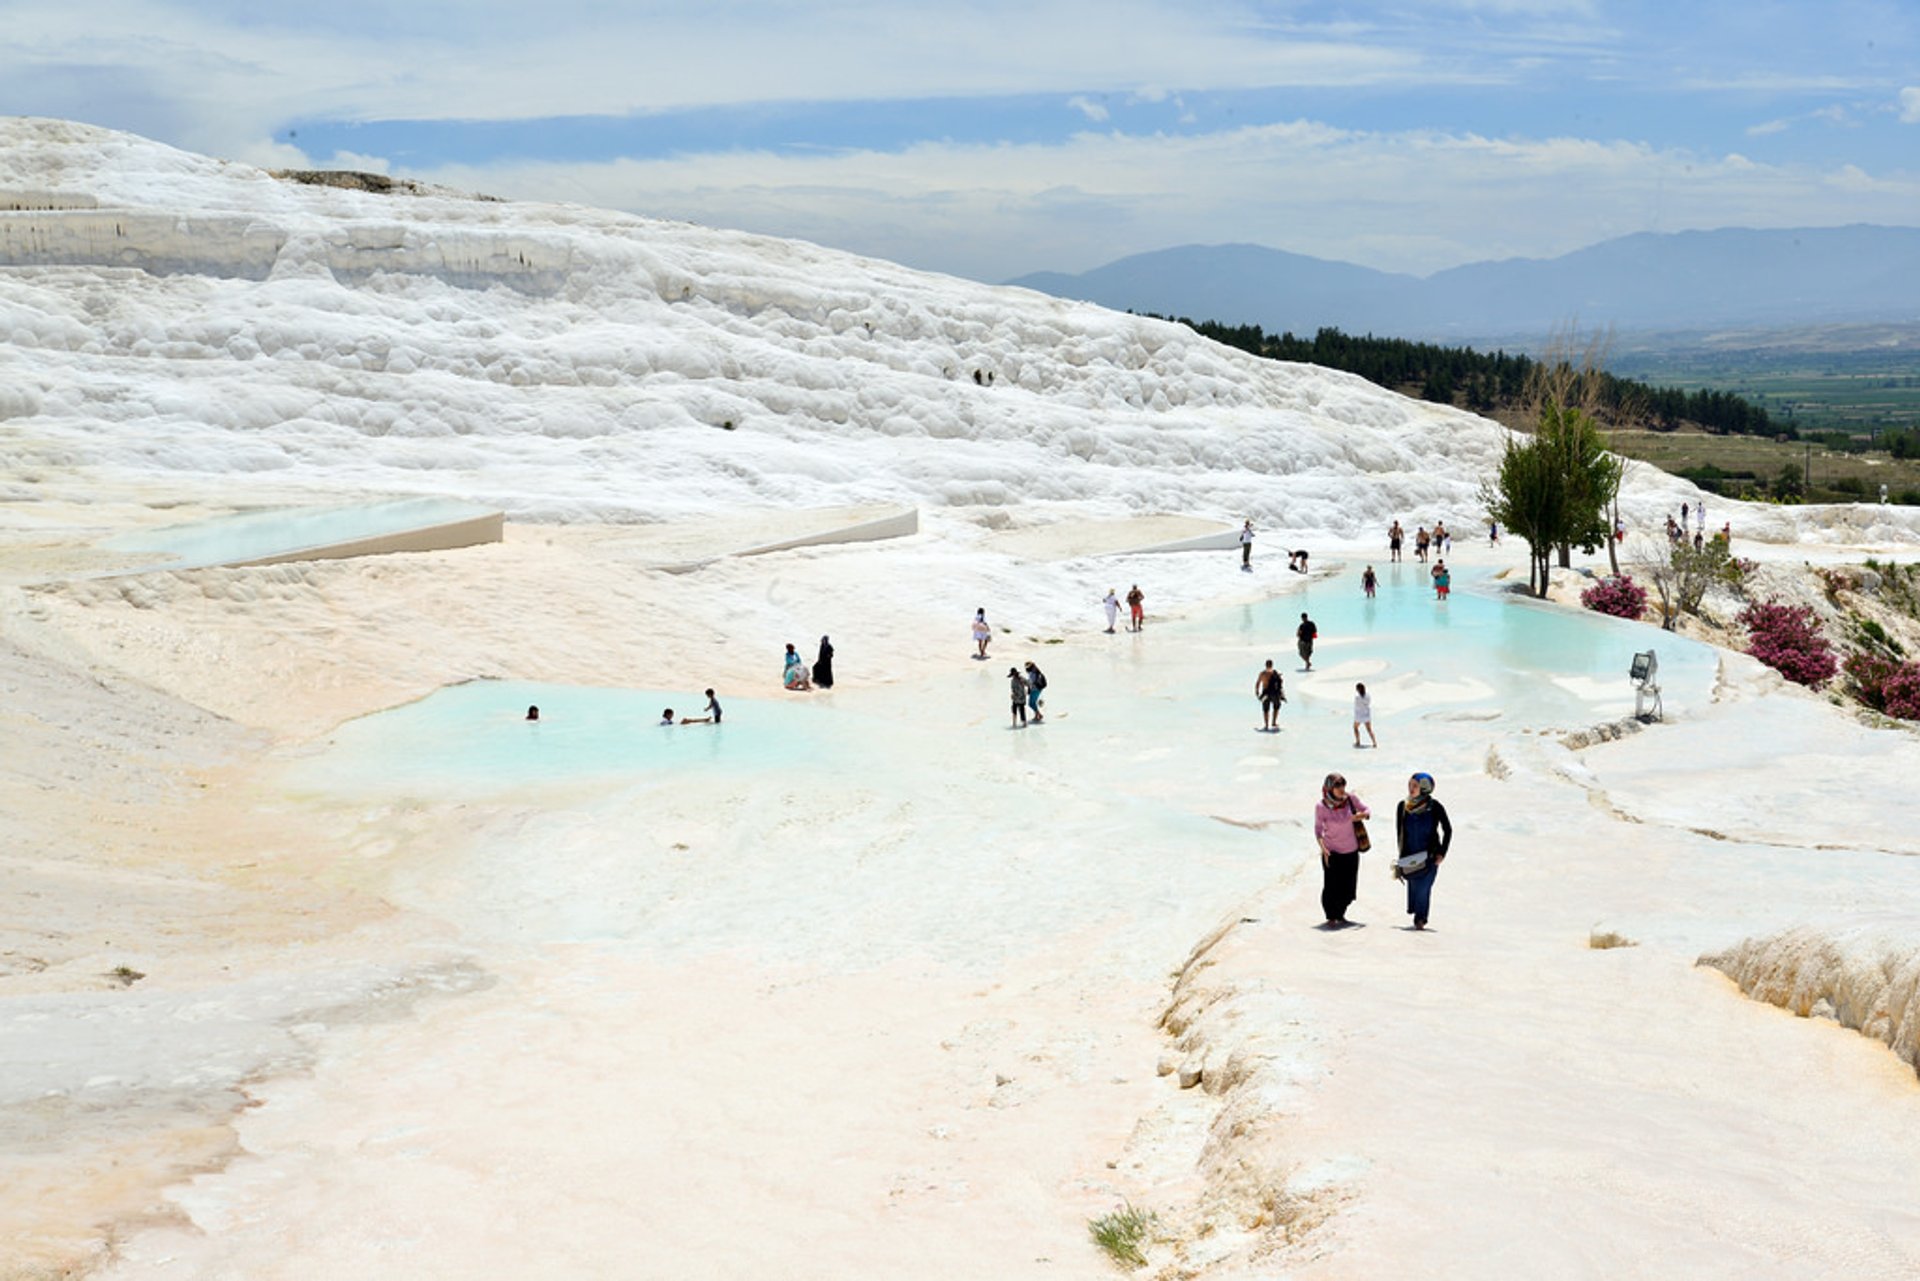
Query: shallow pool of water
point(253, 536)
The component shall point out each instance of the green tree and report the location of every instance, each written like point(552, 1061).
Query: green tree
point(1555, 490)
point(1526, 495)
point(1591, 476)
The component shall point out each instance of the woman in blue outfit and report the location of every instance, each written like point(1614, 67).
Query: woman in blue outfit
point(1420, 823)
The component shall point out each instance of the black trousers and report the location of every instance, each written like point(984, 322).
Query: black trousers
point(1339, 885)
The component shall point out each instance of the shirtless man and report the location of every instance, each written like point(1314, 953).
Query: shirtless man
point(1271, 691)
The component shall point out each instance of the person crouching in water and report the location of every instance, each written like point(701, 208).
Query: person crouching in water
point(1421, 824)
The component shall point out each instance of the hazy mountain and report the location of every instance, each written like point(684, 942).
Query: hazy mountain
point(1649, 281)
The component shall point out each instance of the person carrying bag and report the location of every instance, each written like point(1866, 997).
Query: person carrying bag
point(1423, 832)
point(1341, 834)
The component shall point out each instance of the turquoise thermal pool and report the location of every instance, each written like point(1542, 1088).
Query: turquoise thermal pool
point(253, 537)
point(1483, 658)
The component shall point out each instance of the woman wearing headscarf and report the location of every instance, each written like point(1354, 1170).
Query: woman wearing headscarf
point(823, 666)
point(1423, 833)
point(794, 674)
point(1338, 830)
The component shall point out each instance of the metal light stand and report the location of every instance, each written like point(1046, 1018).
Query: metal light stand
point(1646, 689)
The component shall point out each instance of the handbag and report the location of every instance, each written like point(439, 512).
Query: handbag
point(1361, 841)
point(1407, 864)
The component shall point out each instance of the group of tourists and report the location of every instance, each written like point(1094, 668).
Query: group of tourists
point(1422, 833)
point(797, 676)
point(1422, 830)
point(1437, 542)
point(1027, 683)
point(1136, 604)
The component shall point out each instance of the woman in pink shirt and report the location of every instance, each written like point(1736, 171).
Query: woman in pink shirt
point(1334, 828)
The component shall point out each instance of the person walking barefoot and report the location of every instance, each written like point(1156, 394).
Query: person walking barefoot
point(982, 633)
point(1246, 546)
point(1303, 637)
point(1422, 833)
point(1338, 829)
point(1036, 686)
point(1369, 583)
point(1362, 714)
point(1017, 687)
point(1137, 602)
point(1271, 690)
point(1112, 606)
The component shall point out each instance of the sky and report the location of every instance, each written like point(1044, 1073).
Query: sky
point(995, 138)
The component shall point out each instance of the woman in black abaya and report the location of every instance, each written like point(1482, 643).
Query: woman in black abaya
point(823, 666)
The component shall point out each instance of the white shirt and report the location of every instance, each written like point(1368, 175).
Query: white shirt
point(1246, 535)
point(1362, 708)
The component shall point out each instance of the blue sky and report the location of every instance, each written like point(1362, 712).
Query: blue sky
point(996, 138)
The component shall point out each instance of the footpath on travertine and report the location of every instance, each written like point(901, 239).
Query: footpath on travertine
point(1495, 1096)
point(751, 1012)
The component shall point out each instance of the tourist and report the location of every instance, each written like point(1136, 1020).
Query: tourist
point(1442, 581)
point(1683, 519)
point(1340, 831)
point(713, 708)
point(1297, 561)
point(982, 633)
point(1362, 714)
point(666, 717)
point(1017, 686)
point(1421, 540)
point(1700, 517)
point(1246, 546)
point(1271, 690)
point(823, 665)
point(1036, 686)
point(1423, 832)
point(533, 713)
point(795, 674)
point(1395, 536)
point(1112, 603)
point(1368, 583)
point(1619, 530)
point(1442, 540)
point(1493, 532)
point(1304, 636)
point(1137, 603)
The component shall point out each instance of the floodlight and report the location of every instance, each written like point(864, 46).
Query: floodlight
point(1646, 690)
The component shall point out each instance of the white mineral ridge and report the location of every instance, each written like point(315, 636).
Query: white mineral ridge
point(176, 316)
point(1866, 976)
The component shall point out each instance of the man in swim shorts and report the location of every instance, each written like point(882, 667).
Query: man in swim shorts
point(1271, 691)
point(1304, 636)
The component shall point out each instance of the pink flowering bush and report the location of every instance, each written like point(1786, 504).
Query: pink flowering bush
point(1619, 596)
point(1885, 684)
point(1787, 638)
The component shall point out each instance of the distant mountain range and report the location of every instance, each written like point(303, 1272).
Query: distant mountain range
point(1648, 281)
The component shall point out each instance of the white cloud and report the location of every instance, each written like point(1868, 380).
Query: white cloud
point(1910, 105)
point(1766, 127)
point(215, 76)
point(1414, 201)
point(1088, 107)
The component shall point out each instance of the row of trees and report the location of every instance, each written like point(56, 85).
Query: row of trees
point(1488, 381)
